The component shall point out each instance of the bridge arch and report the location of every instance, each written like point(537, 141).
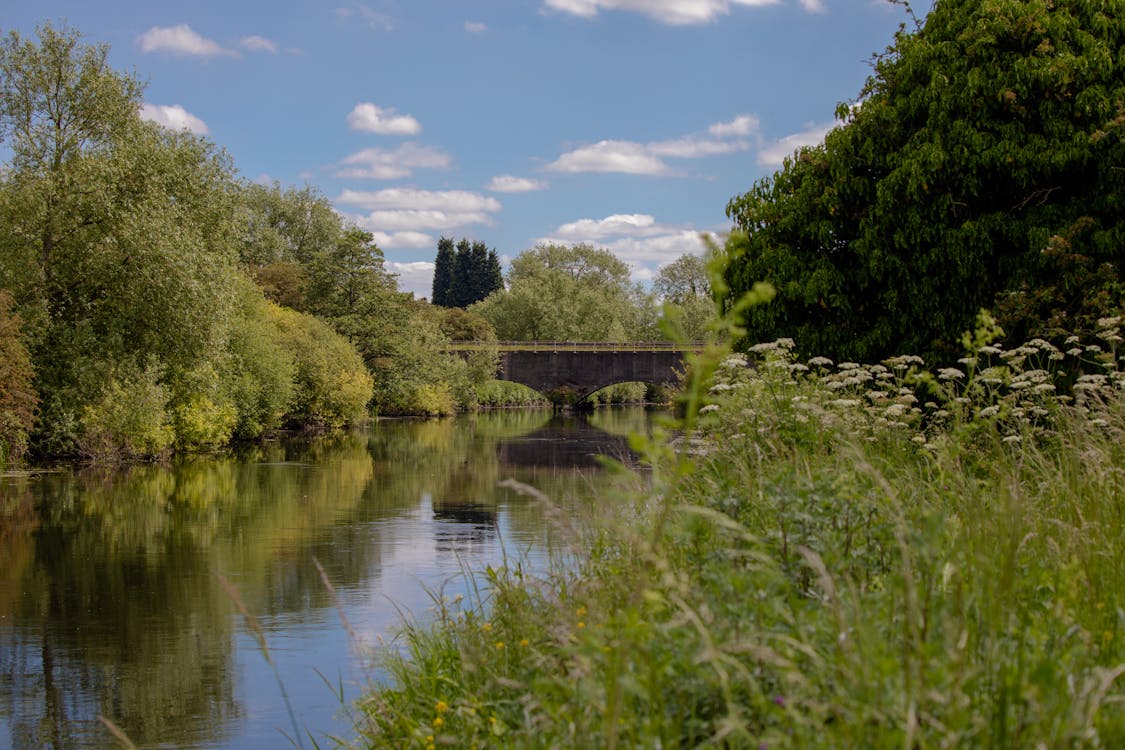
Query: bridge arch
point(568, 372)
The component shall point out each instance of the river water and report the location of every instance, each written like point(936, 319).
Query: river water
point(120, 592)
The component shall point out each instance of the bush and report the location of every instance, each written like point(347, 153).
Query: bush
point(129, 420)
point(332, 385)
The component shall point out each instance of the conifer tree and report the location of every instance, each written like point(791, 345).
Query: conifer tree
point(443, 272)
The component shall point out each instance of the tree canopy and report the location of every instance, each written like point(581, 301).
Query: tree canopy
point(564, 292)
point(466, 275)
point(982, 165)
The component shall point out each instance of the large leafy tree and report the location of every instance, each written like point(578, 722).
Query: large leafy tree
point(564, 292)
point(981, 165)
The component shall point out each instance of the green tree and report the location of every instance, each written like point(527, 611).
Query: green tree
point(17, 391)
point(443, 272)
point(683, 278)
point(987, 131)
point(559, 292)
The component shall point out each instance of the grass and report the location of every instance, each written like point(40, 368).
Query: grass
point(833, 556)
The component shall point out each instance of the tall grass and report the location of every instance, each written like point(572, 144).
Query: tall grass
point(832, 556)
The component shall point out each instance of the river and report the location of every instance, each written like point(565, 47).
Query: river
point(120, 591)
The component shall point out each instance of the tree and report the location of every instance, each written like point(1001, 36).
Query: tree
point(682, 279)
point(443, 272)
point(560, 292)
point(17, 392)
point(466, 276)
point(981, 135)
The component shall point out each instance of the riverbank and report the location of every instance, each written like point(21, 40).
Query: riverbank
point(862, 556)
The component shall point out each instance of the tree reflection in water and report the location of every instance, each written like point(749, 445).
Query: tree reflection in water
point(109, 602)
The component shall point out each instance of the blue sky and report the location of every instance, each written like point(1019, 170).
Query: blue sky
point(626, 124)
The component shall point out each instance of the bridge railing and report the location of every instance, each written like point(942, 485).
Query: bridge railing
point(575, 346)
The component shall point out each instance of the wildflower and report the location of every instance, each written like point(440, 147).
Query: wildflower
point(524, 643)
point(1071, 340)
point(487, 627)
point(989, 349)
point(1093, 348)
point(1011, 439)
point(820, 362)
point(441, 707)
point(950, 373)
point(709, 408)
point(988, 411)
point(733, 361)
point(438, 722)
point(499, 645)
point(581, 625)
point(1044, 388)
point(779, 700)
point(847, 366)
point(1109, 322)
point(581, 611)
point(920, 439)
point(1074, 352)
point(719, 387)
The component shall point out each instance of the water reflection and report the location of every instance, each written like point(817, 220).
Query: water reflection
point(109, 599)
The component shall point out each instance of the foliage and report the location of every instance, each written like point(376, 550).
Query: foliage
point(17, 391)
point(560, 292)
point(467, 276)
point(992, 128)
point(128, 420)
point(332, 385)
point(807, 573)
point(258, 372)
point(682, 279)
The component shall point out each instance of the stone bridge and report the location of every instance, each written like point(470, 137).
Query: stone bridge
point(567, 372)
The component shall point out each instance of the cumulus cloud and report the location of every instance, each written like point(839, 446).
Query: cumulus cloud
point(629, 157)
point(180, 40)
point(371, 118)
point(673, 12)
point(814, 6)
point(416, 278)
point(475, 27)
point(638, 239)
point(403, 240)
point(174, 117)
point(774, 154)
point(401, 217)
point(409, 198)
point(506, 183)
point(417, 220)
point(381, 164)
point(611, 156)
point(741, 126)
point(257, 43)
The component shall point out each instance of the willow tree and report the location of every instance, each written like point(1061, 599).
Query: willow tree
point(982, 165)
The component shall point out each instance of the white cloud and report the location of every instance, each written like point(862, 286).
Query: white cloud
point(587, 230)
point(371, 118)
point(375, 19)
point(638, 239)
point(694, 148)
point(611, 156)
point(814, 6)
point(257, 43)
point(417, 277)
point(774, 154)
point(403, 240)
point(674, 12)
point(380, 164)
point(179, 40)
point(475, 27)
point(174, 117)
point(409, 198)
point(506, 183)
point(418, 220)
point(743, 125)
point(629, 157)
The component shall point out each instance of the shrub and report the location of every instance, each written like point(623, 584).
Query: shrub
point(332, 385)
point(129, 420)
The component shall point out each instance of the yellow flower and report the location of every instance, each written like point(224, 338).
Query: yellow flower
point(499, 645)
point(487, 627)
point(429, 738)
point(441, 707)
point(525, 643)
point(438, 722)
point(581, 611)
point(581, 624)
